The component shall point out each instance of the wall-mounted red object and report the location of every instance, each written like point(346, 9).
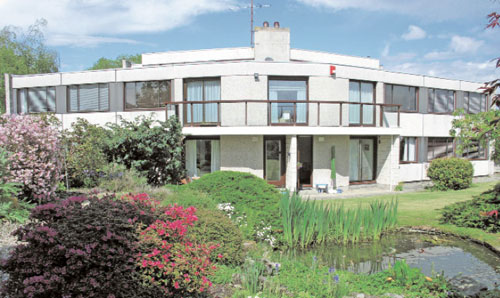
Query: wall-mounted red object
point(332, 70)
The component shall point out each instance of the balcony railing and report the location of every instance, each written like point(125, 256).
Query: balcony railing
point(251, 112)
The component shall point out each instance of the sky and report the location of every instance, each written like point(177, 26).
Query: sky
point(443, 38)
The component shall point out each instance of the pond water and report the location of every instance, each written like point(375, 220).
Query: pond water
point(442, 254)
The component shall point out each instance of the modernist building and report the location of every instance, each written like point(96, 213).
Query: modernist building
point(280, 113)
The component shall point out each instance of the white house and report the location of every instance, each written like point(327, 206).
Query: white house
point(286, 115)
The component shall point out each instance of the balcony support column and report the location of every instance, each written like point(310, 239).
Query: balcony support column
point(291, 162)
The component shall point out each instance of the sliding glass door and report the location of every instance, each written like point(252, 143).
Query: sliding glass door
point(274, 160)
point(283, 93)
point(362, 155)
point(201, 92)
point(361, 92)
point(202, 157)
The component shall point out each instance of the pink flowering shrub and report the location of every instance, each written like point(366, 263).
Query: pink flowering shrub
point(171, 261)
point(35, 160)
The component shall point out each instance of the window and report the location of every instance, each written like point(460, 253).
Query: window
point(439, 147)
point(36, 100)
point(441, 101)
point(408, 149)
point(475, 150)
point(361, 92)
point(88, 98)
point(406, 96)
point(475, 102)
point(146, 95)
point(288, 91)
point(200, 92)
point(202, 157)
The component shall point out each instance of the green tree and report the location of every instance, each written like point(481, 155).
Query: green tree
point(24, 52)
point(105, 63)
point(483, 126)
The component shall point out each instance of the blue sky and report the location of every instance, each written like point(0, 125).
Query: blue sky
point(444, 38)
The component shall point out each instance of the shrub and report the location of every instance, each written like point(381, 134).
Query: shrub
point(214, 227)
point(84, 147)
point(255, 202)
point(154, 148)
point(117, 178)
point(474, 213)
point(171, 262)
point(14, 210)
point(34, 148)
point(450, 173)
point(79, 247)
point(185, 196)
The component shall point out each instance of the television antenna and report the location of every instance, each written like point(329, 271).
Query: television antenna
point(251, 6)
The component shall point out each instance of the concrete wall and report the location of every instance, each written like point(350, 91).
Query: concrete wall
point(243, 154)
point(272, 44)
point(388, 161)
point(322, 163)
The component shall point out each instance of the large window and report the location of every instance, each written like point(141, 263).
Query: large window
point(407, 149)
point(475, 102)
point(88, 98)
point(202, 157)
point(439, 147)
point(146, 95)
point(441, 101)
point(361, 92)
point(406, 96)
point(475, 150)
point(201, 92)
point(36, 100)
point(285, 92)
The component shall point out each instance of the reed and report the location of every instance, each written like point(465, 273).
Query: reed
point(312, 222)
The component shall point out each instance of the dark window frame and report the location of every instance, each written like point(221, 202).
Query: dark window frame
point(434, 101)
point(449, 142)
point(416, 151)
point(289, 78)
point(485, 155)
point(486, 101)
point(26, 97)
point(374, 95)
point(68, 98)
point(186, 106)
point(169, 91)
point(417, 97)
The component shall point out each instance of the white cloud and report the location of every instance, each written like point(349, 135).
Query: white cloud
point(432, 10)
point(481, 71)
point(458, 46)
point(414, 32)
point(98, 21)
point(385, 51)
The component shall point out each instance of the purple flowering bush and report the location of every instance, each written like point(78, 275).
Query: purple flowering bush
point(34, 154)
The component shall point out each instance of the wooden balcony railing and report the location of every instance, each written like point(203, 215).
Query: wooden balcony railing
point(284, 112)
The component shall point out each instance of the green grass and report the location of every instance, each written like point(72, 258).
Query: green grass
point(424, 209)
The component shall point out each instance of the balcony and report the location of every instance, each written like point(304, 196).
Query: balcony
point(315, 113)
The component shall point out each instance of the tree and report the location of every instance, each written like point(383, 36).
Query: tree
point(483, 126)
point(105, 63)
point(24, 52)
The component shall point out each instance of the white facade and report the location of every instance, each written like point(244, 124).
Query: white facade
point(277, 111)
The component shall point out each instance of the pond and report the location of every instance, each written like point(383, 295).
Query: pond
point(442, 254)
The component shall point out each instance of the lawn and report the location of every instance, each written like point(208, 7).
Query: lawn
point(423, 209)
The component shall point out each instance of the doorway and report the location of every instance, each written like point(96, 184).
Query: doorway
point(362, 156)
point(274, 160)
point(304, 161)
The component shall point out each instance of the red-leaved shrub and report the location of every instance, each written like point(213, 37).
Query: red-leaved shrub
point(34, 153)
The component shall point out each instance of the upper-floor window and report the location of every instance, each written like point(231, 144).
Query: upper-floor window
point(286, 91)
point(407, 149)
point(146, 95)
point(201, 92)
point(441, 101)
point(36, 100)
point(439, 147)
point(406, 96)
point(361, 92)
point(88, 98)
point(475, 102)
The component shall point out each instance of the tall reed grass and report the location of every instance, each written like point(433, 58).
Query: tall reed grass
point(307, 222)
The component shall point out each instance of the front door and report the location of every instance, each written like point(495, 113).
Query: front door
point(304, 165)
point(362, 154)
point(274, 160)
